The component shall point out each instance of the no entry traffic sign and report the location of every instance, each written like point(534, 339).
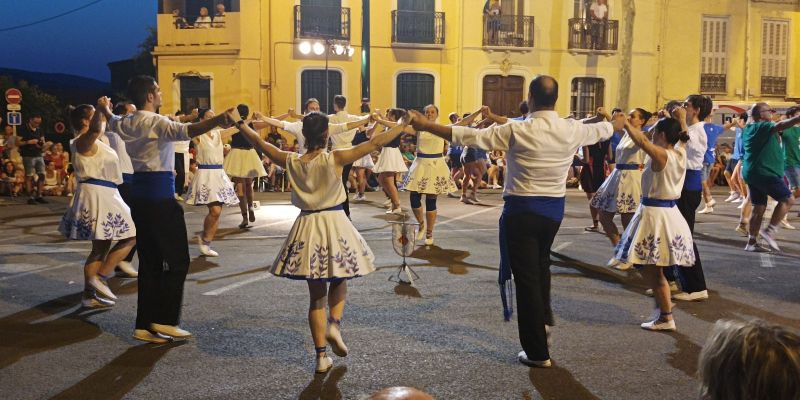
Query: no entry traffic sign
point(13, 96)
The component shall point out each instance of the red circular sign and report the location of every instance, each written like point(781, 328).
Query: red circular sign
point(59, 127)
point(13, 96)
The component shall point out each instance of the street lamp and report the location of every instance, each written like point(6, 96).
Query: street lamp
point(326, 46)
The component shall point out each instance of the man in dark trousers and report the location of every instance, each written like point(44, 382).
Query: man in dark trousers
point(31, 143)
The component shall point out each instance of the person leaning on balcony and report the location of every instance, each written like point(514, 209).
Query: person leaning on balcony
point(203, 21)
point(179, 20)
point(599, 14)
point(219, 17)
point(493, 10)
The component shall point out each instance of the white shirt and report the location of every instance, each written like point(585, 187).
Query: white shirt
point(182, 146)
point(345, 139)
point(296, 129)
point(599, 10)
point(118, 145)
point(539, 150)
point(696, 146)
point(203, 22)
point(150, 139)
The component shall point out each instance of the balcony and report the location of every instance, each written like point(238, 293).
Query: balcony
point(773, 86)
point(586, 36)
point(179, 35)
point(508, 31)
point(713, 83)
point(321, 22)
point(417, 29)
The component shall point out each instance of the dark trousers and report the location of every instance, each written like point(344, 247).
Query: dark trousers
point(529, 238)
point(691, 278)
point(180, 174)
point(125, 192)
point(163, 260)
point(345, 176)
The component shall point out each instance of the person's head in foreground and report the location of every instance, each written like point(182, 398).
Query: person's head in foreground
point(400, 393)
point(750, 361)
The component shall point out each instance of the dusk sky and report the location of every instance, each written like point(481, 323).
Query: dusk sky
point(81, 43)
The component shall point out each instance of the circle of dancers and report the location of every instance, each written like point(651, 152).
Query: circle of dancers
point(124, 162)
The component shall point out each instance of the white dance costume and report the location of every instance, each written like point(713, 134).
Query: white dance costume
point(210, 183)
point(323, 244)
point(97, 211)
point(658, 234)
point(429, 173)
point(622, 190)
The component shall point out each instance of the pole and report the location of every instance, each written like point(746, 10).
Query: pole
point(327, 83)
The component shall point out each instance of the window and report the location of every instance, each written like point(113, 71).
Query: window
point(414, 90)
point(416, 21)
point(714, 55)
point(312, 84)
point(774, 51)
point(586, 96)
point(195, 93)
point(323, 18)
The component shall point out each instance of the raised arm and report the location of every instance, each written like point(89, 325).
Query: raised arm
point(470, 118)
point(488, 114)
point(377, 141)
point(226, 133)
point(84, 144)
point(189, 117)
point(275, 154)
point(389, 124)
point(657, 153)
point(421, 123)
point(225, 119)
point(786, 124)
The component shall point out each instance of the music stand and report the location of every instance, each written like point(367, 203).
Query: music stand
point(404, 237)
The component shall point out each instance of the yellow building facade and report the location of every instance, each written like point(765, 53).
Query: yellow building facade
point(460, 54)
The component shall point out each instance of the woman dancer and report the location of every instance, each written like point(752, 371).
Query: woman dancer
point(390, 163)
point(363, 164)
point(98, 212)
point(323, 246)
point(658, 236)
point(210, 185)
point(474, 162)
point(243, 165)
point(620, 193)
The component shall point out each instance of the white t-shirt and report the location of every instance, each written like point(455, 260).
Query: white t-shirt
point(599, 11)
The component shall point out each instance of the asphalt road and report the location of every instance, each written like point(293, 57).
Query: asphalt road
point(444, 335)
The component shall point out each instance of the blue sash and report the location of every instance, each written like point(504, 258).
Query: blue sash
point(209, 166)
point(338, 207)
point(627, 166)
point(127, 179)
point(153, 185)
point(428, 155)
point(694, 180)
point(651, 202)
point(100, 182)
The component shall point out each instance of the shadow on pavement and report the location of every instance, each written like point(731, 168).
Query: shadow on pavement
point(22, 336)
point(552, 383)
point(402, 289)
point(217, 278)
point(201, 264)
point(121, 375)
point(450, 258)
point(325, 386)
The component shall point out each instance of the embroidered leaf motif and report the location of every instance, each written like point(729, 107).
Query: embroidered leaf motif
point(647, 249)
point(680, 249)
point(114, 226)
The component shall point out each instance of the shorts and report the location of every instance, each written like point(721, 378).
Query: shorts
point(33, 165)
point(793, 175)
point(731, 164)
point(706, 171)
point(455, 160)
point(772, 186)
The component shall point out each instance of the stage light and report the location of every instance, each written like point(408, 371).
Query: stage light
point(319, 48)
point(304, 47)
point(350, 51)
point(338, 49)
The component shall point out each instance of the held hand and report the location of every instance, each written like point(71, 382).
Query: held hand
point(104, 102)
point(619, 121)
point(195, 113)
point(486, 112)
point(258, 116)
point(417, 120)
point(679, 113)
point(601, 111)
point(231, 115)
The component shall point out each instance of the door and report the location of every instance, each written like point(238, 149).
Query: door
point(503, 94)
point(195, 93)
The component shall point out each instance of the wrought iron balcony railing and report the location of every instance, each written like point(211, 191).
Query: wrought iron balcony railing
point(313, 22)
point(773, 86)
point(593, 35)
point(417, 27)
point(508, 31)
point(713, 83)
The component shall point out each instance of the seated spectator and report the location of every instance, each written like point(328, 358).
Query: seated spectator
point(70, 181)
point(11, 180)
point(273, 136)
point(192, 170)
point(219, 16)
point(16, 158)
point(52, 183)
point(179, 20)
point(204, 20)
point(408, 153)
point(749, 361)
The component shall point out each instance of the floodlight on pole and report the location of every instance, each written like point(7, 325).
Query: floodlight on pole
point(318, 48)
point(304, 47)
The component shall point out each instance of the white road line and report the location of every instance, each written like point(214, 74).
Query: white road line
point(366, 234)
point(217, 292)
point(766, 261)
point(5, 278)
point(560, 247)
point(460, 217)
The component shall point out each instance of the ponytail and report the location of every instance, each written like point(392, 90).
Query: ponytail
point(683, 136)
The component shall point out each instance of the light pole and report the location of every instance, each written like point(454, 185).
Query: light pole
point(327, 46)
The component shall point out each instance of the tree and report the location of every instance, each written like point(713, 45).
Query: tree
point(144, 58)
point(626, 54)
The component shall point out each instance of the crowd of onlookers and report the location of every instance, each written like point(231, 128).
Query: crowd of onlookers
point(203, 20)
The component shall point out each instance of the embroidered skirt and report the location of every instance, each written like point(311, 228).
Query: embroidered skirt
point(97, 213)
point(211, 186)
point(620, 193)
point(323, 246)
point(390, 160)
point(241, 163)
point(429, 176)
point(656, 236)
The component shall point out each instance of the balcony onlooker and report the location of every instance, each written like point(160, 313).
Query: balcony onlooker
point(493, 11)
point(178, 20)
point(219, 16)
point(204, 20)
point(598, 12)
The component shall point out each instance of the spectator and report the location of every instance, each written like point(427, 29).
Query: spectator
point(32, 141)
point(713, 131)
point(365, 107)
point(204, 20)
point(219, 16)
point(179, 20)
point(52, 182)
point(408, 154)
point(11, 179)
point(749, 360)
point(492, 12)
point(190, 173)
point(60, 160)
point(598, 12)
point(273, 136)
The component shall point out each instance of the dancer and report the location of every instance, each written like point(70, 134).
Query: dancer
point(390, 163)
point(539, 152)
point(243, 165)
point(763, 169)
point(736, 192)
point(620, 193)
point(323, 246)
point(713, 131)
point(791, 151)
point(363, 164)
point(474, 162)
point(97, 212)
point(124, 268)
point(593, 174)
point(343, 140)
point(658, 236)
point(162, 244)
point(210, 185)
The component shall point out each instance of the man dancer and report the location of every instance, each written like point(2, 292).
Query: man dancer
point(161, 230)
point(763, 169)
point(539, 153)
point(343, 140)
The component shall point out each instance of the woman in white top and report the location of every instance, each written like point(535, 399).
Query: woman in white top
point(210, 186)
point(204, 20)
point(622, 189)
point(98, 212)
point(658, 236)
point(323, 246)
point(390, 163)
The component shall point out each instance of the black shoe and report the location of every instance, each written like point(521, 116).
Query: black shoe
point(41, 200)
point(32, 201)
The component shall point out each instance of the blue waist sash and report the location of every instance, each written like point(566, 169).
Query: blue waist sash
point(651, 202)
point(428, 155)
point(694, 180)
point(209, 166)
point(153, 185)
point(628, 166)
point(100, 182)
point(127, 178)
point(338, 207)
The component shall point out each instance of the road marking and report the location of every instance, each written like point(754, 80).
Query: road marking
point(560, 247)
point(217, 292)
point(766, 261)
point(18, 249)
point(5, 278)
point(460, 217)
point(367, 234)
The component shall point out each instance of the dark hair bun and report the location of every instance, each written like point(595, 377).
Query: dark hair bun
point(683, 136)
point(243, 109)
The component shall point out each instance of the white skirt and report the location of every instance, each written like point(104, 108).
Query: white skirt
point(390, 160)
point(429, 176)
point(364, 162)
point(620, 193)
point(323, 246)
point(242, 163)
point(97, 213)
point(656, 236)
point(211, 186)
